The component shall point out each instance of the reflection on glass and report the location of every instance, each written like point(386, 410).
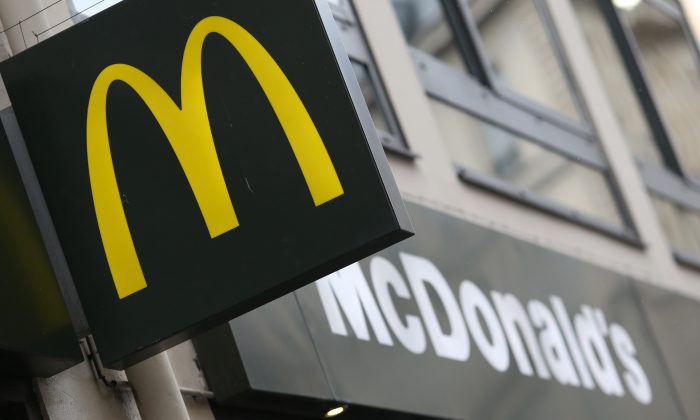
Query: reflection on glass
point(682, 226)
point(426, 28)
point(617, 82)
point(521, 53)
point(370, 94)
point(672, 72)
point(626, 4)
point(489, 150)
point(92, 7)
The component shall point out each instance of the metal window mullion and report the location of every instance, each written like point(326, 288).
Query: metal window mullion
point(675, 12)
point(689, 38)
point(667, 8)
point(669, 186)
point(524, 196)
point(686, 259)
point(468, 40)
point(533, 107)
point(395, 145)
point(358, 50)
point(395, 138)
point(630, 55)
point(448, 85)
point(555, 40)
point(488, 77)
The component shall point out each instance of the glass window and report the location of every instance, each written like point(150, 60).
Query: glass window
point(511, 71)
point(492, 151)
point(91, 7)
point(616, 81)
point(369, 91)
point(663, 64)
point(370, 82)
point(682, 226)
point(426, 28)
point(521, 54)
point(671, 66)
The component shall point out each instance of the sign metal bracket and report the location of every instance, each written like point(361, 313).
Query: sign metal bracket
point(87, 344)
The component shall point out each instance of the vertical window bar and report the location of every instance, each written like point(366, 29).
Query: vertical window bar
point(393, 140)
point(676, 13)
point(467, 37)
point(486, 76)
point(631, 57)
point(385, 105)
point(553, 35)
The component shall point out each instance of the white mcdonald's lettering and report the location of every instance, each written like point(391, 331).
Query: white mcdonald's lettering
point(542, 341)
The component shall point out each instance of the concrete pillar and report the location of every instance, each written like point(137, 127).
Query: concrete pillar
point(156, 389)
point(12, 12)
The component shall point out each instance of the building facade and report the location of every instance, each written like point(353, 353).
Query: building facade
point(565, 125)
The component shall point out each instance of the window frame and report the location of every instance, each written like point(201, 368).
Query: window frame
point(479, 95)
point(669, 182)
point(488, 77)
point(356, 46)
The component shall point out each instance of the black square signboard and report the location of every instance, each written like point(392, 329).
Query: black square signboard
point(200, 158)
point(36, 334)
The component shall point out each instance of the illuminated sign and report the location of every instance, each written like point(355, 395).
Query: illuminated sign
point(201, 158)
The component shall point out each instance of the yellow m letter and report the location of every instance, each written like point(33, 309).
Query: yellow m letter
point(188, 131)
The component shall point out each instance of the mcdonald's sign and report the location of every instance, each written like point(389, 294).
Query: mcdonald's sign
point(198, 159)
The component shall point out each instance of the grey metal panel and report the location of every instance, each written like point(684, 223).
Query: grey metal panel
point(674, 320)
point(274, 339)
point(394, 378)
point(268, 350)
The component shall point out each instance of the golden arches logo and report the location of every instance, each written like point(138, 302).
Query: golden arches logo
point(189, 134)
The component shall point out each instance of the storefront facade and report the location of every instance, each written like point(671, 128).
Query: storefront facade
point(457, 322)
point(545, 150)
